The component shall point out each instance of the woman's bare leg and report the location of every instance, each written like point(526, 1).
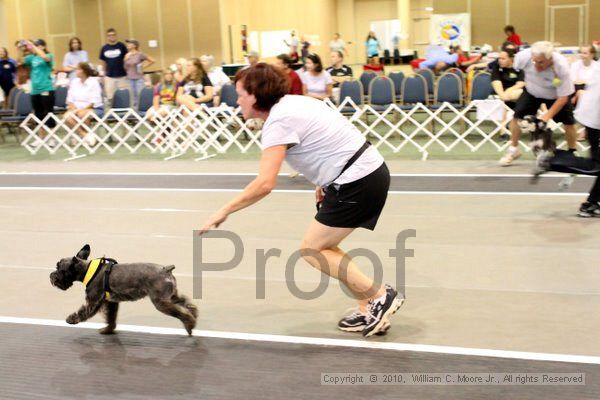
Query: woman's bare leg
point(325, 240)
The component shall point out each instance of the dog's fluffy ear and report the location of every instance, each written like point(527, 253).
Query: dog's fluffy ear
point(84, 253)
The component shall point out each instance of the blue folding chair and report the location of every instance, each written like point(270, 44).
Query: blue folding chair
point(10, 103)
point(448, 90)
point(145, 100)
point(414, 90)
point(381, 93)
point(353, 90)
point(22, 109)
point(429, 78)
point(60, 99)
point(229, 95)
point(481, 87)
point(121, 100)
point(365, 79)
point(397, 78)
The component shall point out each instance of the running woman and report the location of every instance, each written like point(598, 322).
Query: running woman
point(351, 178)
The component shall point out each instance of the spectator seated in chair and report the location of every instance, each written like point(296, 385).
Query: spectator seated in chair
point(284, 62)
point(339, 71)
point(196, 88)
point(163, 100)
point(217, 77)
point(507, 82)
point(316, 82)
point(179, 70)
point(84, 98)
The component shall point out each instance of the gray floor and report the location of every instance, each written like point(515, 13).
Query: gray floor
point(57, 363)
point(514, 271)
point(225, 182)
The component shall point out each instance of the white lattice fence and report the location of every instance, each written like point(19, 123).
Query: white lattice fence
point(207, 131)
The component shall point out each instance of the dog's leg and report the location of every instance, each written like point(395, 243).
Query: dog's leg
point(185, 302)
point(177, 311)
point(85, 312)
point(110, 312)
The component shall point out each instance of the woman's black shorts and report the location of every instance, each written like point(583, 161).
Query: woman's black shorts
point(356, 204)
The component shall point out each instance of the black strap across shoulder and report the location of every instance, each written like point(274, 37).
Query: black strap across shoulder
point(353, 159)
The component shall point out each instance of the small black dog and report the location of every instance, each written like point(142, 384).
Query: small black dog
point(541, 136)
point(108, 283)
point(542, 144)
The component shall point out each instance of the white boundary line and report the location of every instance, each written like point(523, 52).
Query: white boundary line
point(417, 192)
point(364, 344)
point(27, 173)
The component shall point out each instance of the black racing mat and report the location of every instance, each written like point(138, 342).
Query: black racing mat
point(44, 362)
point(226, 182)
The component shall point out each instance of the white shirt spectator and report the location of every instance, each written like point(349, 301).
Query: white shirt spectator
point(587, 105)
point(540, 84)
point(316, 84)
point(82, 94)
point(218, 78)
point(72, 58)
point(580, 73)
point(320, 144)
point(337, 45)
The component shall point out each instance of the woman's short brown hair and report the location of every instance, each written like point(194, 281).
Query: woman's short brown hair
point(509, 28)
point(87, 69)
point(267, 83)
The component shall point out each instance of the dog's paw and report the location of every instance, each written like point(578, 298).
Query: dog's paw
point(190, 324)
point(107, 330)
point(73, 319)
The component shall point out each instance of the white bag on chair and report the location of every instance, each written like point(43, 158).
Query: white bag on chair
point(490, 110)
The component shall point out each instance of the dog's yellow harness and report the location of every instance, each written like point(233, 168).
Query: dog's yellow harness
point(94, 267)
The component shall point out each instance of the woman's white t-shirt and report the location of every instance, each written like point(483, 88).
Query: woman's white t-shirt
point(82, 94)
point(320, 141)
point(580, 73)
point(316, 84)
point(587, 112)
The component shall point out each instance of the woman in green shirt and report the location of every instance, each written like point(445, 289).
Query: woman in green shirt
point(41, 61)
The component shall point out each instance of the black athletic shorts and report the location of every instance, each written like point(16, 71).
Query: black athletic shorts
point(528, 105)
point(356, 204)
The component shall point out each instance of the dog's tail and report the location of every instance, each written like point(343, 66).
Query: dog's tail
point(168, 269)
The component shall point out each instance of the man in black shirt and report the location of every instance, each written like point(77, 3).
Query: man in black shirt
point(339, 71)
point(113, 55)
point(507, 82)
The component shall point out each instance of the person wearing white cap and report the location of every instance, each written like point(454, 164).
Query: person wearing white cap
point(547, 81)
point(253, 58)
point(217, 77)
